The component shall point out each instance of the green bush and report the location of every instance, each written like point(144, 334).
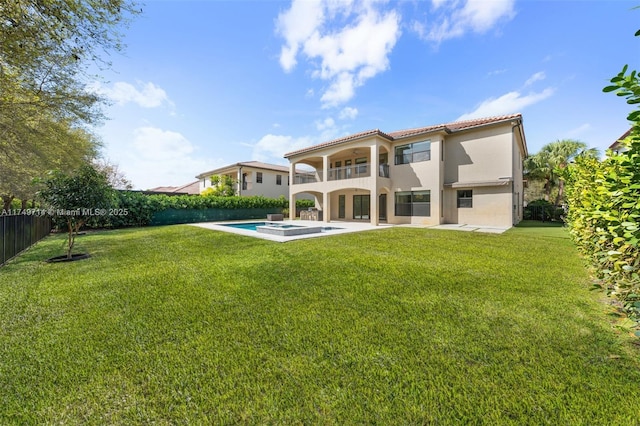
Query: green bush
point(133, 208)
point(543, 210)
point(604, 206)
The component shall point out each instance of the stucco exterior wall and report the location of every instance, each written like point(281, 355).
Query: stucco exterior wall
point(491, 207)
point(268, 188)
point(481, 155)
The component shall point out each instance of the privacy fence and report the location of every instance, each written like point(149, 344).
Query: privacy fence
point(19, 232)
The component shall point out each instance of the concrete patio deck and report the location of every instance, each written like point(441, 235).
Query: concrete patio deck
point(337, 228)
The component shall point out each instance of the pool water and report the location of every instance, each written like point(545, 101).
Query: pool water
point(252, 226)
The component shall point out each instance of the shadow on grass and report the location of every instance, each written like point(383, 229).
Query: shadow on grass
point(542, 229)
point(539, 224)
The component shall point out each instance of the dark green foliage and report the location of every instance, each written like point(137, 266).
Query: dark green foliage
point(132, 208)
point(543, 210)
point(75, 198)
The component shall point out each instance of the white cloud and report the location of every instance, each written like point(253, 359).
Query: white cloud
point(536, 77)
point(271, 148)
point(146, 95)
point(497, 72)
point(157, 144)
point(343, 54)
point(158, 157)
point(508, 103)
point(296, 26)
point(457, 18)
point(327, 123)
point(578, 131)
point(348, 113)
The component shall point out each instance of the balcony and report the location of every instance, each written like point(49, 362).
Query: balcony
point(350, 172)
point(342, 173)
point(310, 177)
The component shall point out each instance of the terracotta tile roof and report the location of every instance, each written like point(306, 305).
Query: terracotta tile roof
point(254, 164)
point(340, 140)
point(190, 188)
point(616, 144)
point(400, 134)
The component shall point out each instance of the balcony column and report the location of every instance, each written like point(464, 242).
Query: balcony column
point(292, 197)
point(326, 207)
point(325, 168)
point(373, 197)
point(326, 196)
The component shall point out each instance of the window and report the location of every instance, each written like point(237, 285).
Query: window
point(465, 198)
point(413, 203)
point(361, 166)
point(413, 152)
point(258, 177)
point(278, 179)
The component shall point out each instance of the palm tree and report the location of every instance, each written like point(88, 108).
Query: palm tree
point(547, 165)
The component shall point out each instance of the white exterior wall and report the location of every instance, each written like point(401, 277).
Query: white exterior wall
point(268, 187)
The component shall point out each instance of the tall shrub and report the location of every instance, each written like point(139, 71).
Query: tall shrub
point(604, 205)
point(76, 197)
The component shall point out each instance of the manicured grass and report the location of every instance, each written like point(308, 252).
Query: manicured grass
point(182, 325)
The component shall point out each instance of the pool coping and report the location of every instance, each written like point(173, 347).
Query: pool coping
point(344, 228)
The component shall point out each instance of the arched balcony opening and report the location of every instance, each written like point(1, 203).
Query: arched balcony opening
point(308, 170)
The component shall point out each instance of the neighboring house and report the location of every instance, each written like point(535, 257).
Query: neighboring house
point(616, 146)
point(466, 172)
point(189, 189)
point(252, 178)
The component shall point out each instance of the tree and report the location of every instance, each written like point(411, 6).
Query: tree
point(116, 177)
point(76, 197)
point(546, 165)
point(221, 186)
point(47, 144)
point(45, 49)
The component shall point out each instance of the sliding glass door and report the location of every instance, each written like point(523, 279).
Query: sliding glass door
point(361, 206)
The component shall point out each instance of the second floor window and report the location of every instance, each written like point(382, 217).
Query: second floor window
point(413, 152)
point(258, 177)
point(278, 179)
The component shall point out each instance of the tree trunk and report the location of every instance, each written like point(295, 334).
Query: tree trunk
point(547, 189)
point(560, 195)
point(71, 238)
point(6, 201)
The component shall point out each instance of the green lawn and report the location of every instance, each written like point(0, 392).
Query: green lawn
point(182, 325)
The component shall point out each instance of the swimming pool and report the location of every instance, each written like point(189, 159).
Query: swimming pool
point(253, 226)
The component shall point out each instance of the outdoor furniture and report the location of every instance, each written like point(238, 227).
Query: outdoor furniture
point(274, 217)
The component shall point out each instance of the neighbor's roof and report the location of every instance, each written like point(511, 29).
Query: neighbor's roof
point(190, 188)
point(252, 164)
point(455, 126)
point(616, 144)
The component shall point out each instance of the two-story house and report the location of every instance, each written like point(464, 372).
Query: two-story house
point(252, 178)
point(465, 172)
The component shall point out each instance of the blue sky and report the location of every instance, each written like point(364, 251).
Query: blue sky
point(203, 84)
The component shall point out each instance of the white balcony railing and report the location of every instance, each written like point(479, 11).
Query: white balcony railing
point(341, 173)
point(310, 177)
